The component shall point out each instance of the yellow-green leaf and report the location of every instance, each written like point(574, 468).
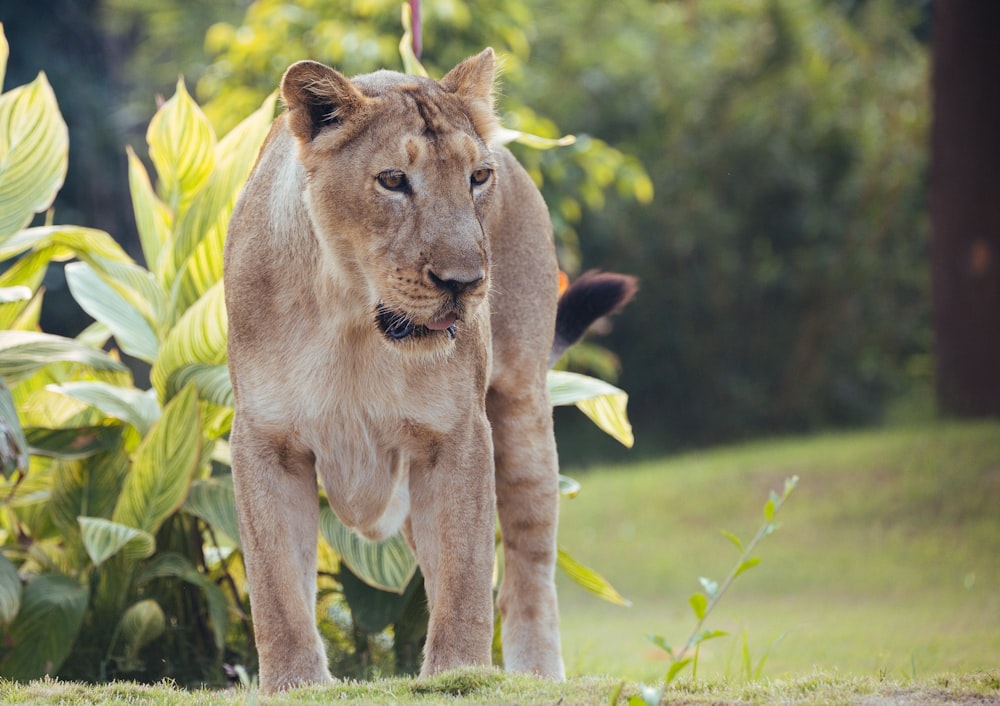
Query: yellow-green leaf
point(141, 623)
point(34, 153)
point(10, 591)
point(198, 337)
point(102, 539)
point(182, 147)
point(590, 579)
point(411, 64)
point(152, 218)
point(22, 353)
point(68, 241)
point(163, 466)
point(602, 402)
point(388, 565)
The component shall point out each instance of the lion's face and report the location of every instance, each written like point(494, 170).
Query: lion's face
point(399, 177)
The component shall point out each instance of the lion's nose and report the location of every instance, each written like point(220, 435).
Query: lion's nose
point(456, 282)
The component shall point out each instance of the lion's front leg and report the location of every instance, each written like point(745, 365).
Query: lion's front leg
point(527, 486)
point(452, 527)
point(278, 509)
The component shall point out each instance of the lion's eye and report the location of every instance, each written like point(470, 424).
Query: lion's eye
point(393, 180)
point(481, 176)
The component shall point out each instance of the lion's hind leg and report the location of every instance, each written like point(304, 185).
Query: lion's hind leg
point(527, 486)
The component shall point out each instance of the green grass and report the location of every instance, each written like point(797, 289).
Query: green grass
point(887, 560)
point(884, 579)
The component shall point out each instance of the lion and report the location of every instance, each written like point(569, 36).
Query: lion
point(391, 286)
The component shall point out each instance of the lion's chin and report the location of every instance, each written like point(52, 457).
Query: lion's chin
point(397, 326)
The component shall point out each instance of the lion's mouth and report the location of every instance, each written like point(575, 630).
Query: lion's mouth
point(397, 326)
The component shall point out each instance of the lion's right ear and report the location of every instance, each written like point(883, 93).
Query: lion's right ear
point(318, 97)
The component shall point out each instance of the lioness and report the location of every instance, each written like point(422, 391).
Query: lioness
point(391, 286)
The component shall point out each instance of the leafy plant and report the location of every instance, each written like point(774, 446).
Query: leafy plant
point(704, 602)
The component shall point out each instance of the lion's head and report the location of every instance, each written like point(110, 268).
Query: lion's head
point(399, 175)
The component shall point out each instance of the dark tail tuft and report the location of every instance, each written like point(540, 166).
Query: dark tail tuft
point(592, 295)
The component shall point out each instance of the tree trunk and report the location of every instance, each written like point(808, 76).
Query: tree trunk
point(965, 205)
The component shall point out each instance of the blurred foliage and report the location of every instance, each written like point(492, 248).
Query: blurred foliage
point(784, 262)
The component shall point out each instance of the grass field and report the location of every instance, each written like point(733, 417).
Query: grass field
point(887, 561)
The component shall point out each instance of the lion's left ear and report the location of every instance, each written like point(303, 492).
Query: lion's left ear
point(473, 80)
point(318, 97)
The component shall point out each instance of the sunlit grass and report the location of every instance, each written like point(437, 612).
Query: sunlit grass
point(885, 563)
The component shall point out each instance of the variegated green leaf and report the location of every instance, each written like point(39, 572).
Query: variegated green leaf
point(136, 407)
point(67, 241)
point(140, 624)
point(46, 626)
point(99, 299)
point(163, 466)
point(152, 217)
point(34, 153)
point(388, 565)
point(10, 591)
point(22, 353)
point(506, 135)
point(13, 444)
point(602, 402)
point(4, 53)
point(212, 381)
point(411, 64)
point(201, 230)
point(589, 579)
point(198, 337)
point(102, 539)
point(213, 501)
point(21, 281)
point(72, 442)
point(182, 147)
point(89, 488)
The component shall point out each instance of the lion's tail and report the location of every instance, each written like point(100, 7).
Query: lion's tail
point(592, 295)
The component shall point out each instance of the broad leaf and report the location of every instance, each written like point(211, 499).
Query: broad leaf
point(46, 626)
point(602, 402)
point(388, 565)
point(198, 337)
point(506, 136)
point(73, 442)
point(141, 623)
point(212, 381)
point(590, 579)
point(100, 300)
point(21, 283)
point(568, 487)
point(10, 591)
point(67, 242)
point(22, 353)
point(13, 444)
point(34, 153)
point(213, 501)
point(89, 488)
point(4, 53)
point(699, 604)
point(152, 217)
point(103, 539)
point(182, 147)
point(411, 64)
point(201, 231)
point(163, 466)
point(175, 566)
point(136, 407)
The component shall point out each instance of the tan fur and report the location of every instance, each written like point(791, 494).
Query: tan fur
point(433, 434)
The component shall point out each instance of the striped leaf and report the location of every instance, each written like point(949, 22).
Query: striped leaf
point(13, 444)
point(69, 241)
point(201, 230)
point(590, 579)
point(199, 337)
point(152, 217)
point(162, 466)
point(46, 626)
point(10, 591)
point(89, 488)
point(602, 402)
point(103, 539)
point(99, 299)
point(136, 407)
point(213, 501)
point(22, 353)
point(212, 381)
point(182, 147)
point(140, 624)
point(388, 565)
point(34, 153)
